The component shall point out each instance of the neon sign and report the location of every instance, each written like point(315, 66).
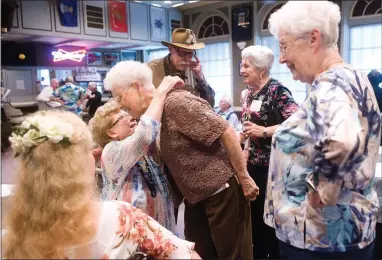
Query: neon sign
point(61, 55)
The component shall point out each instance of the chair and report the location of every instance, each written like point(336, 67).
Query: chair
point(14, 115)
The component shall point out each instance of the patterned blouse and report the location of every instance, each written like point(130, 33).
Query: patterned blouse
point(130, 174)
point(332, 143)
point(270, 106)
point(70, 94)
point(124, 232)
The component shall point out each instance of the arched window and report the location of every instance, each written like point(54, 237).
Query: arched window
point(366, 8)
point(213, 26)
point(365, 45)
point(265, 23)
point(216, 56)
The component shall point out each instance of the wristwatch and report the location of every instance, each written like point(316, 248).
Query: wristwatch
point(265, 132)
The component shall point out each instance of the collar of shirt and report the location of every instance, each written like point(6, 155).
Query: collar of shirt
point(225, 113)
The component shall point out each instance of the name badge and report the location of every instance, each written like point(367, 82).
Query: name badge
point(255, 105)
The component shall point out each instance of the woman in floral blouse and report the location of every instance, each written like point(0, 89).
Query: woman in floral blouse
point(54, 213)
point(128, 168)
point(268, 103)
point(320, 196)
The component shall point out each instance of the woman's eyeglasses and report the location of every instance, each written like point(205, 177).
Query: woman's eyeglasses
point(121, 117)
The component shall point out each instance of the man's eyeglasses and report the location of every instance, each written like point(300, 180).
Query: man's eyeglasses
point(186, 53)
point(119, 97)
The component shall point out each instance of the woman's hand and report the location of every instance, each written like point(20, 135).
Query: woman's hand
point(168, 83)
point(252, 130)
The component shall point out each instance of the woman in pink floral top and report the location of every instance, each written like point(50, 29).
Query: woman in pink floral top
point(267, 104)
point(54, 214)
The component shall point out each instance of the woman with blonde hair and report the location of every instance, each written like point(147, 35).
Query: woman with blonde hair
point(128, 168)
point(54, 214)
point(320, 197)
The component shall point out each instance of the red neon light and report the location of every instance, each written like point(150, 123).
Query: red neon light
point(61, 55)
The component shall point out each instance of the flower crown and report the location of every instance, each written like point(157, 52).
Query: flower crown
point(37, 129)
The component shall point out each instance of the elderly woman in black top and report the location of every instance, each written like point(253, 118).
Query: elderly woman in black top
point(268, 104)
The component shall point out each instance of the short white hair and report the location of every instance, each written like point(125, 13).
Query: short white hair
point(125, 73)
point(301, 17)
point(227, 99)
point(260, 57)
point(92, 84)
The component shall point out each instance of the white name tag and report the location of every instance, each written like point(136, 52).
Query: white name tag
point(255, 105)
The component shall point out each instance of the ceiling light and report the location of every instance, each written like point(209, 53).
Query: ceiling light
point(138, 1)
point(167, 2)
point(156, 5)
point(192, 2)
point(176, 5)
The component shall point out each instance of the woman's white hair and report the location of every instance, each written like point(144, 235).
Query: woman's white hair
point(227, 99)
point(125, 73)
point(301, 17)
point(260, 57)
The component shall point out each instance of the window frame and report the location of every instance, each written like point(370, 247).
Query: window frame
point(260, 33)
point(216, 39)
point(347, 22)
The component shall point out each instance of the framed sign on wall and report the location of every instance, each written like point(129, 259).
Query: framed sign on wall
point(158, 24)
point(242, 21)
point(111, 58)
point(94, 58)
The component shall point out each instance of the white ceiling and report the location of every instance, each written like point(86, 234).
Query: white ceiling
point(181, 5)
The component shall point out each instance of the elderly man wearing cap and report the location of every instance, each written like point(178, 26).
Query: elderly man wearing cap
point(182, 49)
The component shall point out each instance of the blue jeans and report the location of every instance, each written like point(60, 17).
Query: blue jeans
point(290, 252)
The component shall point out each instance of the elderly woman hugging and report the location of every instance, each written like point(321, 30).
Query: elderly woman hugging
point(129, 171)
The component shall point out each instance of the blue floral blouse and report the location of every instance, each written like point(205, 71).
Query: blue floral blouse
point(332, 143)
point(70, 94)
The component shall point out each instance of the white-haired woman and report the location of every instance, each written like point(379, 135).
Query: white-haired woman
point(55, 214)
point(268, 104)
point(320, 198)
point(128, 168)
point(225, 109)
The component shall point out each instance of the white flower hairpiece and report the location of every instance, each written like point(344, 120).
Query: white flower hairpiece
point(37, 129)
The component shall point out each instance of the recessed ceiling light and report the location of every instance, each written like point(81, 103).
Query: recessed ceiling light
point(138, 1)
point(167, 2)
point(192, 2)
point(156, 5)
point(176, 5)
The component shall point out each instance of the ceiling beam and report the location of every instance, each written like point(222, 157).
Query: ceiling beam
point(28, 39)
point(66, 42)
